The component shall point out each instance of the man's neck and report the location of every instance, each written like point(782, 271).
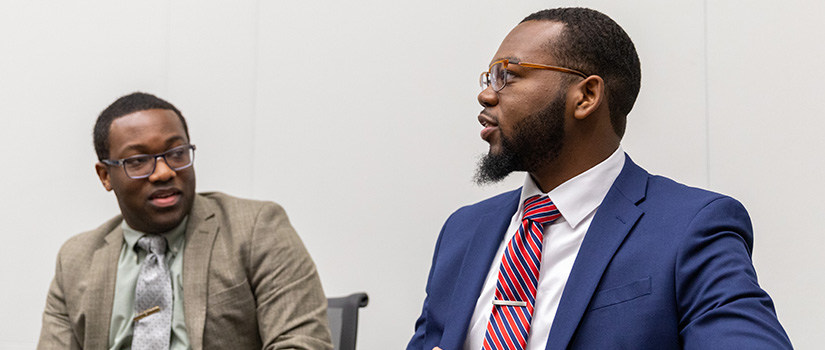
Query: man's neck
point(567, 166)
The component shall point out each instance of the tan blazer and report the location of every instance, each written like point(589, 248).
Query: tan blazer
point(248, 282)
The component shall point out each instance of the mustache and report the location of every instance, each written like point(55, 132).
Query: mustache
point(487, 114)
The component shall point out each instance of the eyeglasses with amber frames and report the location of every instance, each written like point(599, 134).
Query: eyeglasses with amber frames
point(497, 75)
point(143, 165)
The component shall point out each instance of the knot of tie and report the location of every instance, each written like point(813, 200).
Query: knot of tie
point(154, 244)
point(540, 209)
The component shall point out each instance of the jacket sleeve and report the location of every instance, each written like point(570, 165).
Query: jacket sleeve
point(721, 305)
point(56, 331)
point(291, 306)
point(421, 324)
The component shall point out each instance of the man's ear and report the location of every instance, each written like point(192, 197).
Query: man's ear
point(588, 96)
point(103, 174)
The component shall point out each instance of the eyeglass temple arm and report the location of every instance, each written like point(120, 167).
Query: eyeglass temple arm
point(556, 68)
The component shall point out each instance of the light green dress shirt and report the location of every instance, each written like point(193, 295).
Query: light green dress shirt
point(128, 269)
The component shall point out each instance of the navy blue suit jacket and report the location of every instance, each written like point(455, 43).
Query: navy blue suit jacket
point(662, 266)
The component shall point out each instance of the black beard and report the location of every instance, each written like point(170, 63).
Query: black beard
point(535, 141)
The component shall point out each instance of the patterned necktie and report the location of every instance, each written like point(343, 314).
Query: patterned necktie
point(518, 275)
point(152, 327)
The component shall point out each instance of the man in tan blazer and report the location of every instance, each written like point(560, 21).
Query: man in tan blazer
point(245, 279)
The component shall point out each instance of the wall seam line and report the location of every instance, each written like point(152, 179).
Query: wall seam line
point(255, 83)
point(707, 97)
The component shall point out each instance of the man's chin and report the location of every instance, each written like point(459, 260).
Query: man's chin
point(163, 227)
point(494, 167)
point(161, 222)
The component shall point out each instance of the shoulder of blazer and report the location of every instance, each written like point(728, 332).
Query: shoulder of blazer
point(91, 240)
point(504, 202)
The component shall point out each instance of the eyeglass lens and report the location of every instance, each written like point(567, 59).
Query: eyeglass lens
point(497, 76)
point(142, 166)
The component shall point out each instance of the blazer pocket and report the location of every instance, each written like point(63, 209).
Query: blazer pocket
point(237, 293)
point(627, 292)
point(231, 319)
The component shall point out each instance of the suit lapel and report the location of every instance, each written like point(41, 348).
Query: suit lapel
point(100, 290)
point(487, 234)
point(614, 219)
point(200, 235)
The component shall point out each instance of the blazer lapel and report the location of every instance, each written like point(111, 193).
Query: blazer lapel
point(100, 290)
point(487, 234)
point(200, 235)
point(614, 219)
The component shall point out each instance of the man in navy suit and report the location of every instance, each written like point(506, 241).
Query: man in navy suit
point(634, 261)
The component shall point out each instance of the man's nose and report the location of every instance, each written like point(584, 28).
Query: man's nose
point(162, 171)
point(488, 97)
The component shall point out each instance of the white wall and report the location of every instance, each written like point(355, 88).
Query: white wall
point(366, 103)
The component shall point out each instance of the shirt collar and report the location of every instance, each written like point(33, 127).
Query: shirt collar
point(174, 238)
point(578, 197)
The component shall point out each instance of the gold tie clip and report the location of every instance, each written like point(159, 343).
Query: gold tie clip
point(146, 312)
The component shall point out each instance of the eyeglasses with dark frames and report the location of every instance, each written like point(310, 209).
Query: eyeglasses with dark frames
point(143, 165)
point(496, 76)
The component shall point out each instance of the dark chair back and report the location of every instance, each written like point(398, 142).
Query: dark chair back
point(343, 319)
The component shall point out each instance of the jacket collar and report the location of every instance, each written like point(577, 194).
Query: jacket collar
point(614, 219)
point(490, 227)
point(100, 287)
point(201, 231)
point(616, 215)
point(200, 234)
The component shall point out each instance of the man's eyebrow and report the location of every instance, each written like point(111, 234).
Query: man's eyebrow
point(136, 147)
point(172, 139)
point(511, 59)
point(142, 148)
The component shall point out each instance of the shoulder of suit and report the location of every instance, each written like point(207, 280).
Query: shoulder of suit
point(662, 189)
point(222, 202)
point(92, 239)
point(498, 199)
point(224, 199)
point(496, 203)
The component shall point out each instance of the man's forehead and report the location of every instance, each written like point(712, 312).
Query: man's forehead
point(156, 126)
point(529, 42)
point(149, 118)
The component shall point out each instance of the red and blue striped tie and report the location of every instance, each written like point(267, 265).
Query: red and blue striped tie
point(518, 278)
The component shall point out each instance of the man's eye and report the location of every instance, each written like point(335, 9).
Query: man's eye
point(137, 161)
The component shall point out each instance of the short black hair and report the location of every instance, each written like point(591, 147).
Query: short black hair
point(593, 43)
point(131, 103)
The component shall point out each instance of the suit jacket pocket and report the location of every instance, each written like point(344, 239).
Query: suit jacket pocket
point(231, 319)
point(627, 292)
point(236, 293)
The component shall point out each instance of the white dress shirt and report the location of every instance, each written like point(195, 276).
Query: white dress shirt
point(577, 200)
